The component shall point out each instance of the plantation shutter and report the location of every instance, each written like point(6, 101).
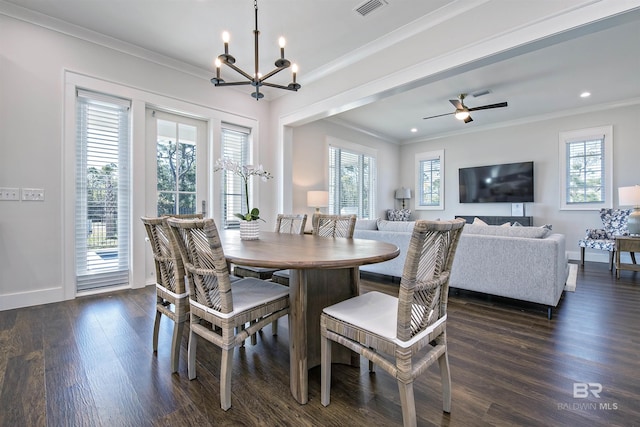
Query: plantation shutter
point(429, 194)
point(235, 146)
point(102, 191)
point(351, 183)
point(585, 170)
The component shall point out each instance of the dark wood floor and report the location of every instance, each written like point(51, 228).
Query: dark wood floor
point(88, 362)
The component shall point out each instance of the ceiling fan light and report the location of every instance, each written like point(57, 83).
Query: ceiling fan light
point(462, 114)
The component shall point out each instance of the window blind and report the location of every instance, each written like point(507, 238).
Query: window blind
point(102, 191)
point(235, 146)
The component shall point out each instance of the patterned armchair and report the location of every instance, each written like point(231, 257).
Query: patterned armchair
point(614, 223)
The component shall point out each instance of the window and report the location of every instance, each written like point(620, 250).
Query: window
point(235, 146)
point(352, 182)
point(429, 182)
point(102, 191)
point(586, 168)
point(176, 167)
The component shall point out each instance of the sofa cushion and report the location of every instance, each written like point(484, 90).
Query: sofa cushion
point(384, 225)
point(496, 230)
point(367, 224)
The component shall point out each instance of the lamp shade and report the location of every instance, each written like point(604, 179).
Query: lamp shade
point(403, 193)
point(317, 199)
point(629, 196)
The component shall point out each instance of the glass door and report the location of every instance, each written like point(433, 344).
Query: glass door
point(179, 178)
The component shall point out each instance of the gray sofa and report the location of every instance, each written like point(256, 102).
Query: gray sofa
point(396, 232)
point(523, 263)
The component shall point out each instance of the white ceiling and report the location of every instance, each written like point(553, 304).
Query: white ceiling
point(536, 80)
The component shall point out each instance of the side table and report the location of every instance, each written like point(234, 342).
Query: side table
point(627, 244)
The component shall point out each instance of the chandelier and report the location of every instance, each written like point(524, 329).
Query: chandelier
point(256, 80)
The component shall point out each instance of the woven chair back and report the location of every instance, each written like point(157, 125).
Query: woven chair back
point(168, 262)
point(204, 261)
point(325, 225)
point(291, 224)
point(424, 286)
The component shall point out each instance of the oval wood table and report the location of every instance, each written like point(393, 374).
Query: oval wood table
point(323, 271)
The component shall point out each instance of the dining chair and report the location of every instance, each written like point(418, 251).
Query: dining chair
point(171, 292)
point(291, 224)
point(324, 225)
point(402, 335)
point(219, 311)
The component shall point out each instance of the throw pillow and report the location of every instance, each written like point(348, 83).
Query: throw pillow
point(398, 214)
point(506, 224)
point(478, 221)
point(547, 226)
point(516, 224)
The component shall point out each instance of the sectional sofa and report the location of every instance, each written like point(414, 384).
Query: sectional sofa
point(523, 263)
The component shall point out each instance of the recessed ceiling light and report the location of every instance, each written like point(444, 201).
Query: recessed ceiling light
point(585, 94)
point(414, 130)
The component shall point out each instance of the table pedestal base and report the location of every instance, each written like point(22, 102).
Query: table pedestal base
point(309, 292)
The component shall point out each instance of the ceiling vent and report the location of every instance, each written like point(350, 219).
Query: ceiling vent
point(481, 93)
point(369, 6)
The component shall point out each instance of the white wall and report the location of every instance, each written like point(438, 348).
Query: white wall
point(309, 165)
point(537, 141)
point(34, 260)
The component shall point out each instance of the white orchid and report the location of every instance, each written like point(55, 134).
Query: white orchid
point(245, 172)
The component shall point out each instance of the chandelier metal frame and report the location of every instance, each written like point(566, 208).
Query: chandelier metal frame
point(255, 80)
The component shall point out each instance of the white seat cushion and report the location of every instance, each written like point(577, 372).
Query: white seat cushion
point(374, 311)
point(377, 313)
point(248, 293)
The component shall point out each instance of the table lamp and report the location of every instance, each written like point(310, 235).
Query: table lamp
point(317, 199)
point(630, 196)
point(403, 194)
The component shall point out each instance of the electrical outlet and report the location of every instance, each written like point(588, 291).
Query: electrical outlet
point(9, 193)
point(33, 194)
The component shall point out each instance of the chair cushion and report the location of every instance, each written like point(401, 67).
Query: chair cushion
point(376, 313)
point(602, 244)
point(249, 293)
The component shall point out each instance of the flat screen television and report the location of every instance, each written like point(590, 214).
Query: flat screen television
point(509, 183)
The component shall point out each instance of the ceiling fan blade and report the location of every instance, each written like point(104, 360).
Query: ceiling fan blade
point(439, 115)
point(487, 107)
point(456, 103)
point(468, 119)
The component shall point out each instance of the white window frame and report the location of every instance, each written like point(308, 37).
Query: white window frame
point(360, 150)
point(419, 158)
point(569, 137)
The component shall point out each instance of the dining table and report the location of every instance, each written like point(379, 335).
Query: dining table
point(323, 271)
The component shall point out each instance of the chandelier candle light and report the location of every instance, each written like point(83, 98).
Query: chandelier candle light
point(256, 80)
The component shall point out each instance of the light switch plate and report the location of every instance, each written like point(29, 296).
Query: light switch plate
point(9, 193)
point(33, 194)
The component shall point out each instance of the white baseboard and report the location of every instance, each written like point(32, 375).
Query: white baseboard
point(30, 298)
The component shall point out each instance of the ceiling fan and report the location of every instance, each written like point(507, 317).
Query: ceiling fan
point(462, 111)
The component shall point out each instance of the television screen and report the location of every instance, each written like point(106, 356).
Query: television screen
point(511, 183)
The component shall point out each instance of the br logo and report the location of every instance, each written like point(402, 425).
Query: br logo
point(583, 390)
